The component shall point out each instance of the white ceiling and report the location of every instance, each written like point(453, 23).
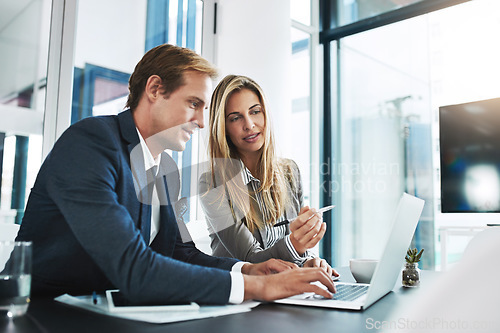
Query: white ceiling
point(10, 9)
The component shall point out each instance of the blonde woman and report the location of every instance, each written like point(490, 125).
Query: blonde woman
point(252, 200)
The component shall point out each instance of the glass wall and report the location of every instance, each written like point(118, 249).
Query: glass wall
point(24, 43)
point(110, 38)
point(304, 78)
point(103, 66)
point(384, 132)
point(301, 104)
point(305, 95)
point(391, 82)
point(24, 37)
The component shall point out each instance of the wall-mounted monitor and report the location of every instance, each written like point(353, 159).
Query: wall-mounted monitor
point(470, 157)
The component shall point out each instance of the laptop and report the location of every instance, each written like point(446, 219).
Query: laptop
point(359, 296)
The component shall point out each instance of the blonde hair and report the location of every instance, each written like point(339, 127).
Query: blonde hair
point(273, 174)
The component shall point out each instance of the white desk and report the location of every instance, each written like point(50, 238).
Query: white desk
point(446, 232)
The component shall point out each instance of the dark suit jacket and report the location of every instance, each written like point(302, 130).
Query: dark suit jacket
point(84, 217)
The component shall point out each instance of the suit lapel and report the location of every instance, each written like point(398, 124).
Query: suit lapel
point(167, 183)
point(142, 183)
point(145, 223)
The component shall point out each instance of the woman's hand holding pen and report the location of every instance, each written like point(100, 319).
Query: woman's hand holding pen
point(307, 230)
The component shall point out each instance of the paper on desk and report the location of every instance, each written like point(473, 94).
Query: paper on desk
point(160, 317)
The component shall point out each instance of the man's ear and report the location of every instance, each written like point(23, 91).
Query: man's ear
point(153, 87)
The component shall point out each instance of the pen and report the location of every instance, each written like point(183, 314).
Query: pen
point(321, 210)
point(94, 297)
point(325, 209)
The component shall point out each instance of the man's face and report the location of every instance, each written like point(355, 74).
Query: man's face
point(174, 118)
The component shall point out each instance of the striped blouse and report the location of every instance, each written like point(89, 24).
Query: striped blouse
point(272, 234)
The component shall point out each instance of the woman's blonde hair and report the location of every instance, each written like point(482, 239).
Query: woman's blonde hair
point(273, 174)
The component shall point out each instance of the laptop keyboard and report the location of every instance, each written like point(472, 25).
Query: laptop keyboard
point(346, 292)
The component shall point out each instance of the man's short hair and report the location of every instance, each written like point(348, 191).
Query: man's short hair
point(169, 62)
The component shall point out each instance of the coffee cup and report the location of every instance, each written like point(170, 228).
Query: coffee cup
point(362, 269)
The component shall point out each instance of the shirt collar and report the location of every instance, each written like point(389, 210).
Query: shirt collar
point(149, 161)
point(247, 175)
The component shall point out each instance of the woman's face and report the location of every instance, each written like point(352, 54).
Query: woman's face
point(245, 121)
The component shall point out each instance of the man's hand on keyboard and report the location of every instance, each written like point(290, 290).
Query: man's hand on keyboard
point(288, 283)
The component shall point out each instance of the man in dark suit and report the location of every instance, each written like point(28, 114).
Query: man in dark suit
point(92, 214)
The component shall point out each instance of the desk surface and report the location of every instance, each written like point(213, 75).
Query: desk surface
point(50, 316)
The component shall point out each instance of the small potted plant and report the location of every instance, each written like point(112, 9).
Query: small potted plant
point(411, 273)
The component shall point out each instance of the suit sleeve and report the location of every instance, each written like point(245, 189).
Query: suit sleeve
point(86, 167)
point(187, 252)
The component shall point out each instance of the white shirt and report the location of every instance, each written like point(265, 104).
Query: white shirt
point(149, 162)
point(237, 293)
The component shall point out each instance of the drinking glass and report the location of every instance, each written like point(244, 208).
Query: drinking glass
point(15, 277)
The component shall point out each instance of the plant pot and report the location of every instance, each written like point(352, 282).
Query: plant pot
point(411, 275)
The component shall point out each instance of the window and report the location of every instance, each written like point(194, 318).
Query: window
point(301, 104)
point(102, 63)
point(302, 31)
point(384, 133)
point(103, 66)
point(305, 107)
point(354, 10)
point(24, 39)
point(384, 87)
